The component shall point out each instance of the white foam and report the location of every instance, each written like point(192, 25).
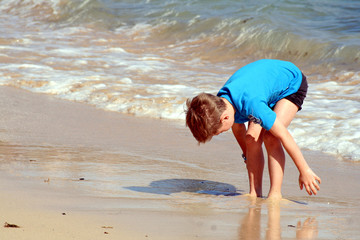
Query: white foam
point(25, 7)
point(26, 67)
point(328, 123)
point(126, 80)
point(117, 50)
point(68, 52)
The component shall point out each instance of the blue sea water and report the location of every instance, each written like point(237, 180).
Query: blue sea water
point(146, 57)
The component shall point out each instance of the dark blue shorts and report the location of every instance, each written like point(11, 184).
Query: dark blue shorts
point(298, 97)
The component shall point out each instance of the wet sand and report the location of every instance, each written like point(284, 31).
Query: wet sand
point(71, 171)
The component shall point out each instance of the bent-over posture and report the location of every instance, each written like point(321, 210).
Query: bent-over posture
point(267, 94)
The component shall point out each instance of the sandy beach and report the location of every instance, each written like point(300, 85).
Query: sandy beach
point(71, 171)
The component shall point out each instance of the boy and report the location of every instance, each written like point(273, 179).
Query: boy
point(267, 93)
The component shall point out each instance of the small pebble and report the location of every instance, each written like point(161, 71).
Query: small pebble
point(107, 227)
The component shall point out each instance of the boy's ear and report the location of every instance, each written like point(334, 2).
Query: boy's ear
point(224, 117)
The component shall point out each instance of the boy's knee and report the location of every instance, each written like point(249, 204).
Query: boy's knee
point(253, 142)
point(270, 140)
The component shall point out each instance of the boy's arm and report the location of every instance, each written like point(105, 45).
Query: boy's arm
point(307, 177)
point(239, 131)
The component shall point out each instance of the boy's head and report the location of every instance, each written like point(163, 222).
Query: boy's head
point(203, 116)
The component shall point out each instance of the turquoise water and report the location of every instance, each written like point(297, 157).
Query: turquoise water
point(147, 57)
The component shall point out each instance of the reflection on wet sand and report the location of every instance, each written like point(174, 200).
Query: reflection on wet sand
point(308, 229)
point(251, 227)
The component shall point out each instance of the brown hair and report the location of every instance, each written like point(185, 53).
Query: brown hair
point(203, 116)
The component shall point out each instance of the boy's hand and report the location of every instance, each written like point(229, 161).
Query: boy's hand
point(310, 180)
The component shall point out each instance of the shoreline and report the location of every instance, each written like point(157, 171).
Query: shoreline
point(147, 177)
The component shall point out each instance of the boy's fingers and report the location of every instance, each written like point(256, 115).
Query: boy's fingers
point(307, 187)
point(317, 186)
point(317, 182)
point(313, 189)
point(318, 179)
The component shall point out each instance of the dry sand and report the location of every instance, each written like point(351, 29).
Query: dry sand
point(70, 171)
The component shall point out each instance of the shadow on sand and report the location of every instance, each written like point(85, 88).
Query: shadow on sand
point(169, 186)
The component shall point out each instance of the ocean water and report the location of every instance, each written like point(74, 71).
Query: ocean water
point(146, 57)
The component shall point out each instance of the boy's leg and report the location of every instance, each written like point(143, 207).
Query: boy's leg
point(239, 131)
point(255, 158)
point(285, 112)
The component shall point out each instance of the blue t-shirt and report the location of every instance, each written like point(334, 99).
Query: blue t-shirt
point(255, 88)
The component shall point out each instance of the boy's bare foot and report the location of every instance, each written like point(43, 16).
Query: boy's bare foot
point(256, 192)
point(274, 196)
point(255, 195)
point(251, 196)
